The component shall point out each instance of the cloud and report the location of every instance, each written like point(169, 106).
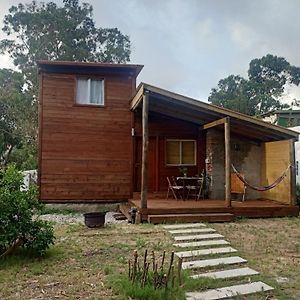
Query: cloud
point(188, 46)
point(243, 36)
point(6, 62)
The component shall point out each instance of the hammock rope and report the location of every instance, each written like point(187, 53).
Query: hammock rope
point(261, 188)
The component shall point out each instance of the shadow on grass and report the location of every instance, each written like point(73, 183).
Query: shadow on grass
point(23, 257)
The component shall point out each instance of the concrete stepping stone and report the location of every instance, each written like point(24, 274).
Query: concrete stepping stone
point(187, 225)
point(239, 272)
point(201, 243)
point(195, 230)
point(230, 291)
point(198, 237)
point(193, 253)
point(212, 262)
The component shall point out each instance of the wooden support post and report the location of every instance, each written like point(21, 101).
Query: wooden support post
point(144, 183)
point(227, 163)
point(157, 164)
point(293, 173)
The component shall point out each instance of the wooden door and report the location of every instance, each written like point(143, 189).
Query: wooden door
point(152, 160)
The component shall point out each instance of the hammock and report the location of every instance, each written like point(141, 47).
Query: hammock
point(260, 188)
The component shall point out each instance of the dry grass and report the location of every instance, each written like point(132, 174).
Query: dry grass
point(78, 264)
point(82, 260)
point(272, 247)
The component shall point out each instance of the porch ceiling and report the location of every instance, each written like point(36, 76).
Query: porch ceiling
point(198, 112)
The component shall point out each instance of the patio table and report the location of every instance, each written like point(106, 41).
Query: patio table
point(186, 181)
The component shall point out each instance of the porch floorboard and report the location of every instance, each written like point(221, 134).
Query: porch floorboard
point(249, 208)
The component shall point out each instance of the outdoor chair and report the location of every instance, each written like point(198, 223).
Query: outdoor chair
point(200, 186)
point(195, 191)
point(237, 186)
point(174, 188)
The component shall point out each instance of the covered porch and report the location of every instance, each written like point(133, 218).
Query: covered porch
point(261, 151)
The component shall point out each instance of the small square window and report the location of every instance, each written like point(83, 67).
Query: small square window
point(181, 152)
point(89, 91)
point(173, 152)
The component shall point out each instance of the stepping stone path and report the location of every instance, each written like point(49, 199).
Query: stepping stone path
point(188, 225)
point(205, 241)
point(202, 243)
point(230, 291)
point(194, 253)
point(228, 273)
point(198, 237)
point(192, 230)
point(196, 264)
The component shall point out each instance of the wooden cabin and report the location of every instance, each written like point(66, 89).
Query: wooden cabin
point(101, 139)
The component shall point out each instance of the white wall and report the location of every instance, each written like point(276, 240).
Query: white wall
point(30, 177)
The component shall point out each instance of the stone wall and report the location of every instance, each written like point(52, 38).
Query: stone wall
point(245, 155)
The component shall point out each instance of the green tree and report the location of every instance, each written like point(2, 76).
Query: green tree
point(46, 31)
point(261, 92)
point(16, 115)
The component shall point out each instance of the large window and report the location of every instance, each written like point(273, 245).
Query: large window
point(181, 152)
point(89, 91)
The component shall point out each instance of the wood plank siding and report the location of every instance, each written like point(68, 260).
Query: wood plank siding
point(85, 151)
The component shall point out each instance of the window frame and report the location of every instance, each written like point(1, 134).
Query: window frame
point(103, 91)
point(180, 152)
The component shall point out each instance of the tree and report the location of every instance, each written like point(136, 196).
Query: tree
point(45, 31)
point(230, 93)
point(16, 114)
point(261, 92)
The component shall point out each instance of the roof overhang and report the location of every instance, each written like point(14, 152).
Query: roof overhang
point(198, 112)
point(290, 112)
point(90, 68)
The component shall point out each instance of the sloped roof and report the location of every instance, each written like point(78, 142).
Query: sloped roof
point(281, 111)
point(74, 67)
point(199, 112)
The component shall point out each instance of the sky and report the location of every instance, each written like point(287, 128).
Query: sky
point(187, 46)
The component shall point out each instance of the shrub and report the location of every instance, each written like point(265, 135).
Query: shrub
point(19, 222)
point(298, 194)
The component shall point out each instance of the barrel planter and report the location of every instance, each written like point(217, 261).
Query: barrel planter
point(94, 219)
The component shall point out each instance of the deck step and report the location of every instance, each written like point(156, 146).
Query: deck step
point(192, 230)
point(232, 273)
point(124, 209)
point(212, 262)
point(201, 243)
point(230, 291)
point(188, 225)
point(191, 218)
point(202, 252)
point(198, 237)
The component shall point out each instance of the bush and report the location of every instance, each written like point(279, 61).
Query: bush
point(19, 223)
point(298, 194)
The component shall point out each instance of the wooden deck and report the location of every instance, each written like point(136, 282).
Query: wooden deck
point(163, 209)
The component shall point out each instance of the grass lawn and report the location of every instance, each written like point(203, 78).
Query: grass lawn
point(272, 247)
point(83, 261)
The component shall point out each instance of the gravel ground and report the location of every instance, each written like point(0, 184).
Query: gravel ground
point(78, 218)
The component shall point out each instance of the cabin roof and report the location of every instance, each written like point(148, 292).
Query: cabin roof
point(199, 112)
point(281, 111)
point(89, 68)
